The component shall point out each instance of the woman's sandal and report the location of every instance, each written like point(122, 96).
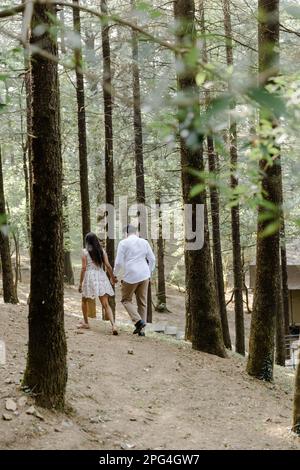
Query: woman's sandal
point(115, 332)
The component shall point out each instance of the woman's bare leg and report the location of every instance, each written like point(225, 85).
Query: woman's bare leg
point(84, 308)
point(105, 304)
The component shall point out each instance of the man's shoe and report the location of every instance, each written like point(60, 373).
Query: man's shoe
point(142, 333)
point(139, 326)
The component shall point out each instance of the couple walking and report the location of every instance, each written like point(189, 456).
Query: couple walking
point(135, 263)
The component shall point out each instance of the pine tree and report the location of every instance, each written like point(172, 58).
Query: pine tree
point(201, 303)
point(46, 369)
point(267, 283)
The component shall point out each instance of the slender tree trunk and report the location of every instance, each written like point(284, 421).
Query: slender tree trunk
point(68, 269)
point(83, 158)
point(284, 269)
point(280, 356)
point(62, 37)
point(108, 123)
point(217, 247)
point(206, 329)
point(284, 280)
point(27, 148)
point(161, 282)
point(9, 290)
point(296, 417)
point(26, 180)
point(138, 138)
point(46, 369)
point(215, 208)
point(267, 285)
point(235, 210)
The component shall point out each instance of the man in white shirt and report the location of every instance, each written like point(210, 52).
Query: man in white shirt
point(136, 259)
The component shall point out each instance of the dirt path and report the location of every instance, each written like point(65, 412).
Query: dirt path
point(163, 396)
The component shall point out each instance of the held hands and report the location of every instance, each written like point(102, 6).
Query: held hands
point(113, 280)
point(80, 289)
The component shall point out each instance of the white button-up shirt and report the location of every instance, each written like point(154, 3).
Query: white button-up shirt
point(135, 258)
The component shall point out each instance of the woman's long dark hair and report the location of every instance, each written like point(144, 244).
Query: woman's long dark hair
point(94, 248)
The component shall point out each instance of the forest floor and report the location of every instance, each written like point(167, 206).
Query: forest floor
point(143, 393)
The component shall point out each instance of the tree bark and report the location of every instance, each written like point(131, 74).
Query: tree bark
point(217, 246)
point(201, 304)
point(68, 268)
point(215, 208)
point(296, 417)
point(27, 149)
point(284, 269)
point(161, 282)
point(235, 210)
point(281, 319)
point(46, 369)
point(82, 141)
point(265, 305)
point(280, 355)
point(9, 290)
point(108, 123)
point(138, 138)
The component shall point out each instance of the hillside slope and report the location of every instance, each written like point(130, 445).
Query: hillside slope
point(162, 396)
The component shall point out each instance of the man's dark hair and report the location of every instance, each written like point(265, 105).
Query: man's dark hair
point(129, 229)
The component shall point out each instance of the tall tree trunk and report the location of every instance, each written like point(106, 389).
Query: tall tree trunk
point(83, 159)
point(161, 282)
point(280, 356)
point(261, 351)
point(108, 123)
point(138, 137)
point(46, 369)
point(9, 291)
point(284, 269)
point(235, 210)
point(206, 329)
point(215, 207)
point(217, 247)
point(27, 149)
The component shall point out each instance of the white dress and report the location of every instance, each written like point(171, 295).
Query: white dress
point(95, 282)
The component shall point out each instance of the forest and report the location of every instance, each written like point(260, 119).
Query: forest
point(168, 128)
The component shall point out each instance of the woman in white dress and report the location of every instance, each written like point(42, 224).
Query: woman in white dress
point(93, 279)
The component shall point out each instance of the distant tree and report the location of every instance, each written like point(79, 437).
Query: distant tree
point(215, 206)
point(9, 291)
point(161, 281)
point(108, 124)
point(235, 209)
point(138, 137)
point(46, 369)
point(68, 268)
point(81, 119)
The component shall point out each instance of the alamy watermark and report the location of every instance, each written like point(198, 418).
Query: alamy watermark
point(166, 220)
